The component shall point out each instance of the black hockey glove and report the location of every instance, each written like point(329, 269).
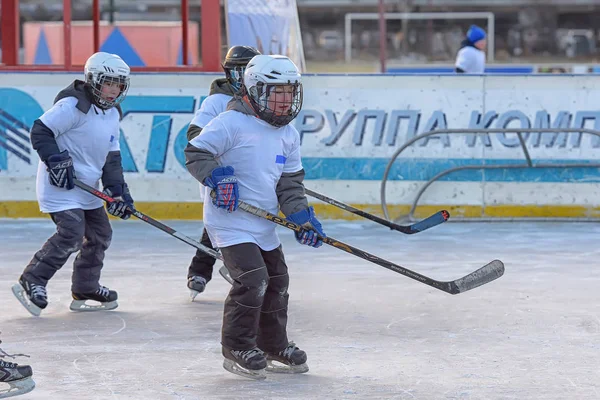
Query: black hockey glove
point(61, 171)
point(123, 206)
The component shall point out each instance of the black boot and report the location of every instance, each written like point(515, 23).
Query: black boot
point(196, 284)
point(247, 363)
point(290, 360)
point(18, 377)
point(107, 299)
point(33, 296)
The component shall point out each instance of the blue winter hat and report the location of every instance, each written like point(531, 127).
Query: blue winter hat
point(475, 34)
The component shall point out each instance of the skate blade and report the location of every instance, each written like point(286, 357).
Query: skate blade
point(82, 306)
point(281, 368)
point(193, 294)
point(225, 274)
point(21, 295)
point(17, 388)
point(237, 369)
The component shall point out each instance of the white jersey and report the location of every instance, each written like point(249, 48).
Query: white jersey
point(259, 154)
point(212, 106)
point(88, 138)
point(471, 60)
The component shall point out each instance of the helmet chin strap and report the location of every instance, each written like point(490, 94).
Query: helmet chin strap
point(99, 101)
point(104, 104)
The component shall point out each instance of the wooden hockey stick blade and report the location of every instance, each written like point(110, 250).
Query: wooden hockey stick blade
point(429, 222)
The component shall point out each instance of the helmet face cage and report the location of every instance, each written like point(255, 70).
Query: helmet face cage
point(96, 82)
point(264, 102)
point(235, 63)
point(235, 77)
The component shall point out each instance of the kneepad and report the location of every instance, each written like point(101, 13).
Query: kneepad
point(250, 287)
point(279, 283)
point(67, 245)
point(277, 298)
point(68, 241)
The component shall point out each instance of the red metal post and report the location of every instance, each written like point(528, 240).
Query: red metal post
point(96, 19)
point(9, 21)
point(185, 17)
point(382, 37)
point(67, 32)
point(211, 35)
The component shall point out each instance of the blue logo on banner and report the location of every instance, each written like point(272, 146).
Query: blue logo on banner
point(18, 111)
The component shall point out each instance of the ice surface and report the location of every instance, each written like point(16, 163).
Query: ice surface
point(369, 333)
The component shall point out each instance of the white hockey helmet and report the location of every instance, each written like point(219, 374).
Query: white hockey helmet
point(264, 73)
point(103, 68)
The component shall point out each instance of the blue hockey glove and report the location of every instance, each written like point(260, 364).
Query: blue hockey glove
point(123, 206)
point(312, 227)
point(224, 183)
point(61, 171)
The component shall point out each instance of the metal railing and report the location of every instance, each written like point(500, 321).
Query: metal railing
point(528, 164)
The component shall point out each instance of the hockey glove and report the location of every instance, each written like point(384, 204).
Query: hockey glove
point(225, 185)
point(61, 171)
point(312, 227)
point(123, 206)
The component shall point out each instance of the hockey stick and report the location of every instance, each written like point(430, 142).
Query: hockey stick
point(152, 222)
point(429, 222)
point(483, 275)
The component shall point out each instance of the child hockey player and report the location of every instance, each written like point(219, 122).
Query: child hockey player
point(221, 91)
point(251, 152)
point(79, 138)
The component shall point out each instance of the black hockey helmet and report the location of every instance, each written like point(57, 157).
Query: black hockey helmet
point(235, 63)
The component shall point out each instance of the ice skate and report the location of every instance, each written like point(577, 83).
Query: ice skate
point(290, 360)
point(225, 274)
point(32, 296)
point(17, 377)
point(247, 363)
point(107, 299)
point(196, 284)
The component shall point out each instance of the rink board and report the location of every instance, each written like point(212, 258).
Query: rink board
point(350, 128)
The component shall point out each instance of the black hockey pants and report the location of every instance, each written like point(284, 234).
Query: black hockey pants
point(86, 231)
point(256, 308)
point(202, 264)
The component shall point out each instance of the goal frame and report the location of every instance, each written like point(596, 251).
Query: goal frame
point(489, 16)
